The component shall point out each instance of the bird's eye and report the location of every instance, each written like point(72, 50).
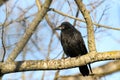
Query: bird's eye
point(62, 27)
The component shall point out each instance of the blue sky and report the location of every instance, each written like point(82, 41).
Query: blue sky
point(106, 39)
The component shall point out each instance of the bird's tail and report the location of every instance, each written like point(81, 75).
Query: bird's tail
point(84, 70)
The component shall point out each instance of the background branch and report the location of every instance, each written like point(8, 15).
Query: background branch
point(20, 45)
point(78, 19)
point(100, 71)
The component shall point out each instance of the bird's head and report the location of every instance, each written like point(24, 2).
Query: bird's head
point(64, 26)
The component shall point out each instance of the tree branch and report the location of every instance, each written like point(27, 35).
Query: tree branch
point(38, 3)
point(2, 2)
point(30, 65)
point(107, 69)
point(99, 72)
point(90, 30)
point(72, 17)
point(20, 45)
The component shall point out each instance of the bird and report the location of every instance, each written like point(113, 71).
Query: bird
point(73, 44)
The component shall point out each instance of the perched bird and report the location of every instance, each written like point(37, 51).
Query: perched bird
point(73, 44)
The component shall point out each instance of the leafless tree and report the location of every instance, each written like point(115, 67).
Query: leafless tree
point(30, 43)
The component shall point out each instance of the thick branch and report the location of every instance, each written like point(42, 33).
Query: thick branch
point(90, 30)
point(30, 65)
point(20, 45)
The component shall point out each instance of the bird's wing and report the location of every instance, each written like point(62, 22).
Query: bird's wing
point(80, 43)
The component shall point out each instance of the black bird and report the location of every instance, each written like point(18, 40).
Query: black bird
point(73, 44)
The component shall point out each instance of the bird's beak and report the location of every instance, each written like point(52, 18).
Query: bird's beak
point(58, 28)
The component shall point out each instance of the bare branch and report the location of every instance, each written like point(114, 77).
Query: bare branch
point(57, 75)
point(107, 69)
point(2, 37)
point(47, 18)
point(97, 25)
point(32, 65)
point(20, 45)
point(90, 30)
point(3, 44)
point(100, 71)
point(78, 77)
point(77, 14)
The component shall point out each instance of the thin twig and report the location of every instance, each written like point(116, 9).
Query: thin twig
point(103, 13)
point(72, 17)
point(43, 75)
point(49, 46)
point(2, 37)
point(77, 13)
point(3, 45)
point(95, 4)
